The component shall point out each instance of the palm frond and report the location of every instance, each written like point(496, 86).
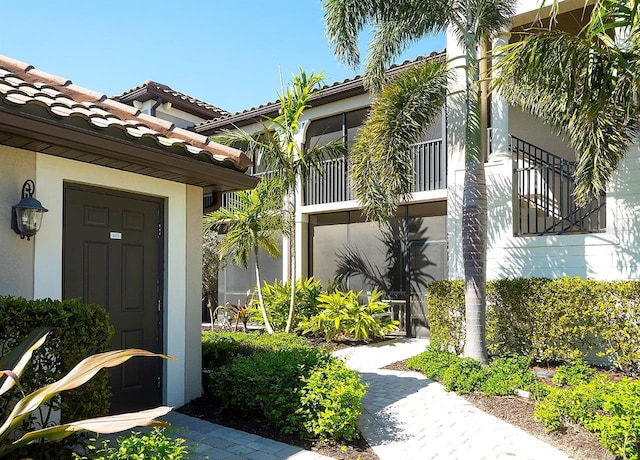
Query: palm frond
point(408, 24)
point(381, 162)
point(581, 87)
point(344, 19)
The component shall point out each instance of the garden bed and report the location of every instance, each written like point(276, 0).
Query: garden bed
point(205, 408)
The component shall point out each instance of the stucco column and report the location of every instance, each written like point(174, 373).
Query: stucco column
point(499, 171)
point(499, 110)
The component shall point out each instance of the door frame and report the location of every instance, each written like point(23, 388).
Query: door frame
point(160, 248)
point(182, 283)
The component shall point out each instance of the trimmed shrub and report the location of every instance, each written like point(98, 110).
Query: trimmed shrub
point(549, 320)
point(512, 316)
point(432, 362)
point(618, 318)
point(276, 377)
point(573, 374)
point(464, 376)
point(159, 443)
point(446, 314)
point(332, 401)
point(220, 348)
point(79, 331)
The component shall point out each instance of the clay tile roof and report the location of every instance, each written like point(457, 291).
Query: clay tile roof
point(24, 87)
point(152, 90)
point(328, 93)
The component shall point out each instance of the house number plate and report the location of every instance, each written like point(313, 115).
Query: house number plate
point(115, 235)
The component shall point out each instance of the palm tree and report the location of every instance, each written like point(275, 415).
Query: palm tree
point(253, 222)
point(583, 85)
point(211, 265)
point(277, 149)
point(403, 110)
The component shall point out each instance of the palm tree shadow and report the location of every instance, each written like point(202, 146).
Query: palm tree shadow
point(400, 241)
point(380, 423)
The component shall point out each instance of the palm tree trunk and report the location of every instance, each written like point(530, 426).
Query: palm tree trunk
point(292, 267)
point(474, 214)
point(263, 310)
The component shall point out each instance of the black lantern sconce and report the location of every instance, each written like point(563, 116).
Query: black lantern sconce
point(26, 216)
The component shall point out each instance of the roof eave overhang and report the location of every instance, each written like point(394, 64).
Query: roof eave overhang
point(190, 170)
point(326, 95)
point(147, 93)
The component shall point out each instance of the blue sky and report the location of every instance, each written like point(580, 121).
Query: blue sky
point(226, 52)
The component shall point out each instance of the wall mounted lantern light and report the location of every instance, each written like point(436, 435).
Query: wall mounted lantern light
point(26, 216)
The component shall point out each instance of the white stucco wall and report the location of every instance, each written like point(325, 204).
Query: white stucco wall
point(182, 237)
point(16, 269)
point(612, 255)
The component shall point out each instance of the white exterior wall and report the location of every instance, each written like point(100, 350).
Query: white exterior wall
point(182, 238)
point(16, 271)
point(455, 143)
point(612, 255)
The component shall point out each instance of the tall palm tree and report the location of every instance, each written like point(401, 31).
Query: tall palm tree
point(405, 107)
point(277, 149)
point(253, 222)
point(583, 85)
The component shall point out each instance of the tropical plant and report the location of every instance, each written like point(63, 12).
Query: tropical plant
point(342, 315)
point(583, 85)
point(278, 150)
point(277, 297)
point(239, 312)
point(380, 163)
point(12, 366)
point(253, 222)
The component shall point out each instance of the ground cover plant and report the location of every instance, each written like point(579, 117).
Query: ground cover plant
point(281, 379)
point(158, 444)
point(577, 394)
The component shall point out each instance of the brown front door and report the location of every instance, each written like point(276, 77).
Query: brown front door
point(112, 256)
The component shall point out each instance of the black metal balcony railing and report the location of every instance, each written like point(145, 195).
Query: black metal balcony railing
point(545, 201)
point(333, 185)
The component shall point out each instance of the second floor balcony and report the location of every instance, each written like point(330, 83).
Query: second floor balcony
point(332, 183)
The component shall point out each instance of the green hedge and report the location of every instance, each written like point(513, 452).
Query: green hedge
point(296, 387)
point(79, 331)
point(552, 320)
